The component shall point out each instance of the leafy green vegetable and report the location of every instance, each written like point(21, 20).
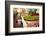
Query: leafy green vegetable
point(31, 18)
